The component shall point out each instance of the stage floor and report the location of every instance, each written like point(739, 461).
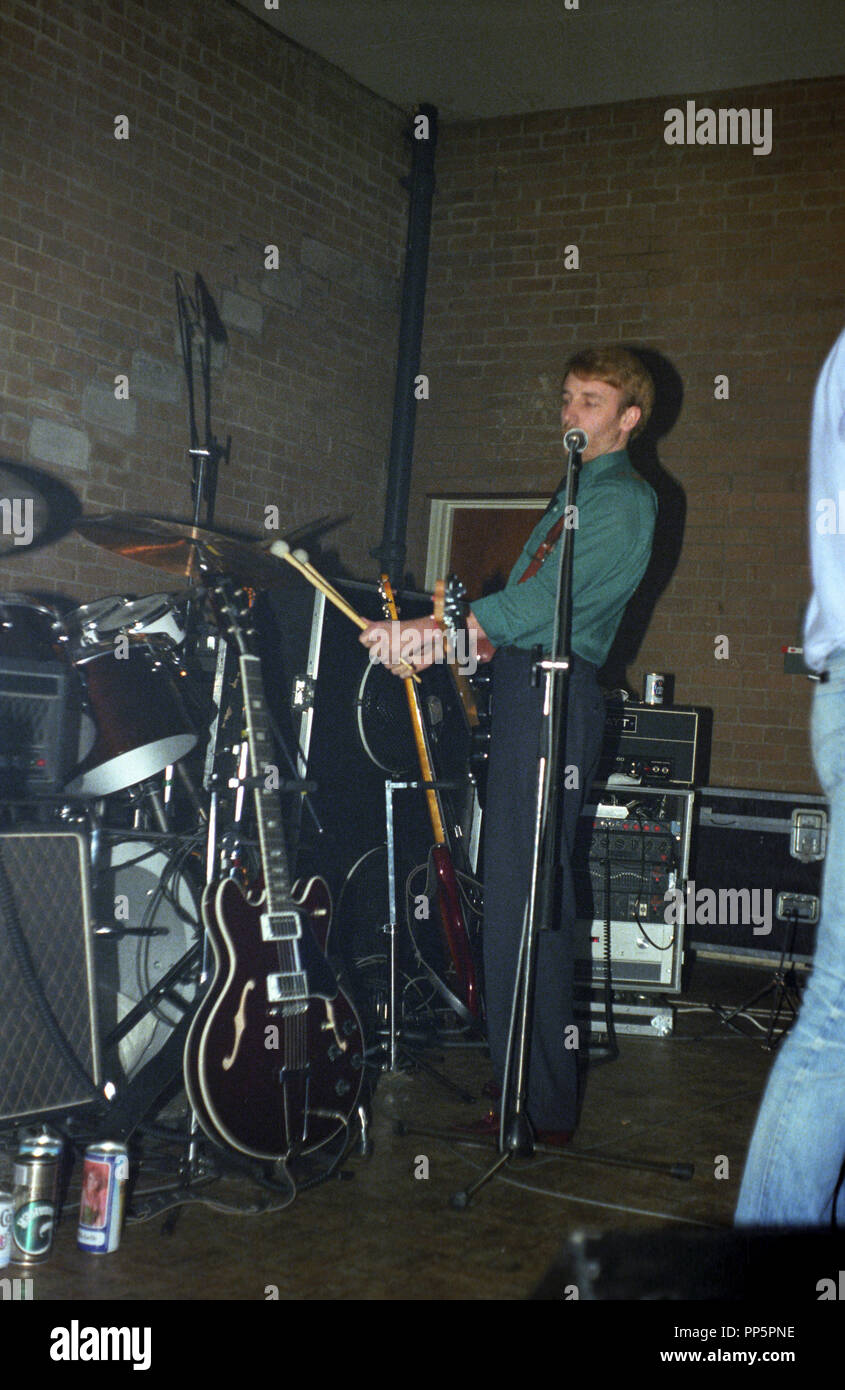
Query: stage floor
point(387, 1231)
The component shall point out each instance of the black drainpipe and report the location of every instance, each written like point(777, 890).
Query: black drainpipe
point(391, 553)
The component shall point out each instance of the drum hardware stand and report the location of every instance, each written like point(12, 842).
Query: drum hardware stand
point(187, 781)
point(396, 1042)
point(157, 991)
point(149, 793)
point(192, 316)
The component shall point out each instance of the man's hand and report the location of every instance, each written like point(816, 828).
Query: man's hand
point(404, 647)
point(413, 645)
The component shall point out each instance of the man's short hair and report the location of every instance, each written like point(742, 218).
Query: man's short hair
point(620, 368)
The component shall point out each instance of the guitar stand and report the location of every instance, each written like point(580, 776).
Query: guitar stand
point(395, 1042)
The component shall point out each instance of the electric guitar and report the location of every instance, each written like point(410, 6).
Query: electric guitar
point(450, 610)
point(274, 1057)
point(466, 1000)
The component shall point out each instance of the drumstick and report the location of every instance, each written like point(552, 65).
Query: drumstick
point(300, 561)
point(302, 557)
point(282, 550)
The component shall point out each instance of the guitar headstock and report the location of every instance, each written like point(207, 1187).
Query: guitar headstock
point(450, 604)
point(230, 606)
point(388, 598)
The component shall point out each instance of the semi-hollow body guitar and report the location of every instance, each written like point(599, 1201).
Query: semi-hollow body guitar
point(274, 1057)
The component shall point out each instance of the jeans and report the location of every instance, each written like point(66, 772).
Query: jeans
point(798, 1144)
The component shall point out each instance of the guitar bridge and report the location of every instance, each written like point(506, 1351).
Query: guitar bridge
point(290, 991)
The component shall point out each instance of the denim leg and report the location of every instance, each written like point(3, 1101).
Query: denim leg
point(798, 1144)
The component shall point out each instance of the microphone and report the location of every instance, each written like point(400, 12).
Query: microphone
point(575, 441)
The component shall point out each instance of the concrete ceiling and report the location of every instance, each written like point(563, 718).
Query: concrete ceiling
point(478, 58)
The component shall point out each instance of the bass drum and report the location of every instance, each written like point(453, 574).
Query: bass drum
point(139, 886)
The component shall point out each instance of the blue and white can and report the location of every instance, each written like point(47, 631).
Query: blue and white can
point(104, 1179)
point(7, 1207)
point(653, 686)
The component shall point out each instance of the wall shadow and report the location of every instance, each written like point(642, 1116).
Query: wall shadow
point(671, 518)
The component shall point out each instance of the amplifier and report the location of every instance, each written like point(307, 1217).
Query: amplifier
point(46, 975)
point(656, 743)
point(642, 846)
point(33, 726)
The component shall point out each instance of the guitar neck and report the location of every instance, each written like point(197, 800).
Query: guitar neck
point(455, 605)
point(435, 810)
point(270, 834)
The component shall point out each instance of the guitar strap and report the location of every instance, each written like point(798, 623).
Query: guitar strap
point(549, 543)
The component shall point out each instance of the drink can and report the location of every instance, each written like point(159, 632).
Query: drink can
point(104, 1178)
point(34, 1206)
point(39, 1143)
point(653, 688)
point(7, 1207)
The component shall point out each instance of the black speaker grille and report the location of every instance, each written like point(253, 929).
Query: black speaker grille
point(48, 875)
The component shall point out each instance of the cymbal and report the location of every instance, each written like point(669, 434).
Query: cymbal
point(182, 549)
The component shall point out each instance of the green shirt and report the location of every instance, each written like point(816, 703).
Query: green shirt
point(612, 545)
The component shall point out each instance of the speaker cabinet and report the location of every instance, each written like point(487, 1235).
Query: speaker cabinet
point(45, 907)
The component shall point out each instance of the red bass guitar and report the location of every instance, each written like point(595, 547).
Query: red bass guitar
point(466, 1000)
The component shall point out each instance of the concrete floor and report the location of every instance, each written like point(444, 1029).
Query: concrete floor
point(387, 1232)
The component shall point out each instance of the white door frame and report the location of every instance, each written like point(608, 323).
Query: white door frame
point(442, 518)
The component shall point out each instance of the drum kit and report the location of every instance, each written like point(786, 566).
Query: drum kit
point(151, 688)
point(139, 699)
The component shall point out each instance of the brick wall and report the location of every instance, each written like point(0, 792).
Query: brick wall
point(237, 140)
point(719, 261)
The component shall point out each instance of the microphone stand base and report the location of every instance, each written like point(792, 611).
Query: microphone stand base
point(519, 1136)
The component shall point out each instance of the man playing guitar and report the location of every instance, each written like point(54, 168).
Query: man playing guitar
point(608, 394)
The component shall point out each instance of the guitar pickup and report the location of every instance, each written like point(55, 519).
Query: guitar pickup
point(280, 926)
point(290, 990)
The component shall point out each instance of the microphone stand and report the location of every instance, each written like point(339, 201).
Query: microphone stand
point(515, 1133)
point(516, 1137)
